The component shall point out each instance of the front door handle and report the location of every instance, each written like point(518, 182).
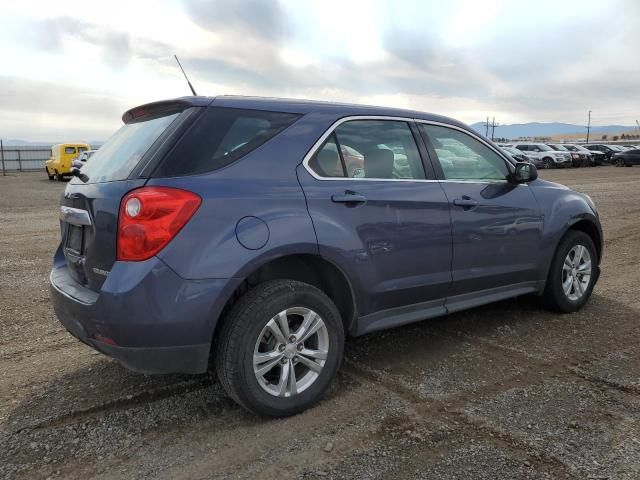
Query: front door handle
point(348, 197)
point(465, 202)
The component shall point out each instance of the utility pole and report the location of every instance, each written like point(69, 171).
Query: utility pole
point(486, 129)
point(493, 128)
point(588, 126)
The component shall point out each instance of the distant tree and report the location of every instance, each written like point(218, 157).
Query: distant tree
point(604, 137)
point(616, 138)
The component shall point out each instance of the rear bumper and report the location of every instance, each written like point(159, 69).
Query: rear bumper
point(145, 316)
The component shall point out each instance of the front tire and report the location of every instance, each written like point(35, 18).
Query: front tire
point(279, 348)
point(548, 162)
point(572, 274)
point(49, 176)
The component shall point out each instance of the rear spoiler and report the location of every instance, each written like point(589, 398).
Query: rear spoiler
point(162, 108)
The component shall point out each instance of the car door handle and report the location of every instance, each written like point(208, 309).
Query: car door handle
point(465, 202)
point(348, 197)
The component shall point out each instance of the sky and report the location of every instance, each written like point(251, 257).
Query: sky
point(69, 68)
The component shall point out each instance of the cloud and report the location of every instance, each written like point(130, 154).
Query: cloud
point(49, 111)
point(264, 18)
point(520, 61)
point(116, 47)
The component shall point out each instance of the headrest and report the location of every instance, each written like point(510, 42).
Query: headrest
point(378, 163)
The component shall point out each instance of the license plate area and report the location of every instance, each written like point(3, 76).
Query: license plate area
point(75, 240)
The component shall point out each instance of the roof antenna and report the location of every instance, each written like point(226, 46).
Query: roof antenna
point(185, 76)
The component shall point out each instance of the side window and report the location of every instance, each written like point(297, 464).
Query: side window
point(326, 162)
point(220, 137)
point(69, 149)
point(462, 157)
point(522, 148)
point(381, 149)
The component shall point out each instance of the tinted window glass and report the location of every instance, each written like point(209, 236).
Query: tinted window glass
point(522, 148)
point(220, 137)
point(383, 149)
point(326, 162)
point(462, 157)
point(123, 150)
point(69, 149)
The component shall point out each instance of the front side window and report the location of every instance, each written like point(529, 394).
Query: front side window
point(462, 157)
point(377, 149)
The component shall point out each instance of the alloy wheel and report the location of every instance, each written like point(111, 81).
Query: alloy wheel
point(290, 352)
point(576, 272)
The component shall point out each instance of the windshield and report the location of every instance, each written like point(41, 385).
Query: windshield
point(560, 147)
point(123, 150)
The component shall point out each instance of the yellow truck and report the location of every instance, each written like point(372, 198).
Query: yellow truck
point(62, 155)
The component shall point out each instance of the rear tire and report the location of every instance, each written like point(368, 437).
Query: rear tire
point(49, 176)
point(59, 177)
point(572, 274)
point(254, 331)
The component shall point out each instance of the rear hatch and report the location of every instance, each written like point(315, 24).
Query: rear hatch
point(89, 207)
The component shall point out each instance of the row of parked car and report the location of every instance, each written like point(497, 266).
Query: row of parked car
point(555, 155)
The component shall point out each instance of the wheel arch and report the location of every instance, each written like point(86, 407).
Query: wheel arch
point(590, 228)
point(304, 267)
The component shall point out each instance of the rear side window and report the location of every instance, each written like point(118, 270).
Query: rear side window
point(69, 149)
point(220, 137)
point(380, 149)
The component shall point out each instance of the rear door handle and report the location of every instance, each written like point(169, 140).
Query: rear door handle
point(348, 197)
point(465, 202)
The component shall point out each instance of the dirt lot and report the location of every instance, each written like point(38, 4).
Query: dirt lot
point(505, 391)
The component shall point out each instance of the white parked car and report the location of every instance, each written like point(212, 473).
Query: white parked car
point(550, 157)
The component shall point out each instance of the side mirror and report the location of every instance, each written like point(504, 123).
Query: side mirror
point(75, 171)
point(525, 172)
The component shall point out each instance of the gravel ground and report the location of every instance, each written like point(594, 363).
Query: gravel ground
point(505, 391)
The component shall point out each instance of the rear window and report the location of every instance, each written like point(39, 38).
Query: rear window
point(69, 149)
point(220, 137)
point(124, 149)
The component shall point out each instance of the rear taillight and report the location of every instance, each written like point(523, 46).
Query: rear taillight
point(149, 219)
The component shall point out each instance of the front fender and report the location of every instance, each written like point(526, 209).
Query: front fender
point(562, 209)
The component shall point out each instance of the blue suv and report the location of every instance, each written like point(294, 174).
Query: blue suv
point(254, 234)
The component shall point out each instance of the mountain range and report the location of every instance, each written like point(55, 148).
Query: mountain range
point(536, 129)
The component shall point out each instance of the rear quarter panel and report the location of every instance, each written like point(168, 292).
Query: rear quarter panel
point(262, 184)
